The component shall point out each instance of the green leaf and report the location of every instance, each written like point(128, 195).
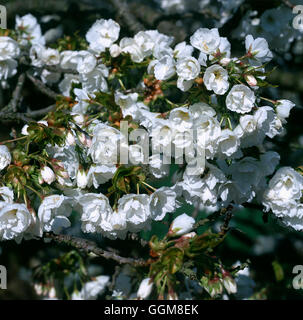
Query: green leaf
point(278, 270)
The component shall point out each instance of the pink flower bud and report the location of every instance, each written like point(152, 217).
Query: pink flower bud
point(225, 61)
point(48, 175)
point(182, 224)
point(251, 80)
point(70, 139)
point(145, 288)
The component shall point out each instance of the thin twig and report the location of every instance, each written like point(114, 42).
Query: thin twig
point(228, 216)
point(114, 278)
point(90, 246)
point(288, 4)
point(135, 237)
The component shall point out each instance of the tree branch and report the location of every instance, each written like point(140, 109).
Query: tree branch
point(42, 87)
point(186, 15)
point(12, 105)
point(129, 19)
point(56, 69)
point(90, 246)
point(17, 92)
point(14, 116)
point(40, 112)
point(28, 116)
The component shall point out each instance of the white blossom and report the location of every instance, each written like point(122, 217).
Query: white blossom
point(105, 144)
point(251, 80)
point(129, 45)
point(158, 167)
point(66, 84)
point(183, 50)
point(258, 48)
point(32, 34)
point(148, 40)
point(240, 99)
point(86, 62)
point(164, 68)
point(95, 80)
point(53, 213)
point(8, 68)
point(96, 209)
point(206, 40)
point(136, 209)
point(102, 34)
point(5, 157)
point(208, 134)
point(228, 142)
point(9, 48)
point(283, 108)
point(216, 78)
point(183, 84)
point(162, 201)
point(284, 192)
point(15, 219)
point(188, 68)
point(182, 224)
point(100, 174)
point(41, 55)
point(7, 194)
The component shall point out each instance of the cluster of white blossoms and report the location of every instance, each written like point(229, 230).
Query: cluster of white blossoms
point(215, 134)
point(283, 197)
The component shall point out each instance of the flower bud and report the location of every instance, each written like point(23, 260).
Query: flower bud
point(5, 157)
point(229, 284)
point(82, 179)
point(78, 118)
point(213, 286)
point(52, 293)
point(172, 296)
point(70, 139)
point(145, 288)
point(48, 175)
point(182, 224)
point(85, 140)
point(189, 235)
point(251, 80)
point(225, 61)
point(24, 130)
point(44, 122)
point(114, 50)
point(39, 289)
point(40, 179)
